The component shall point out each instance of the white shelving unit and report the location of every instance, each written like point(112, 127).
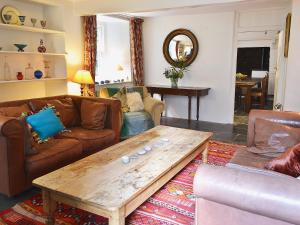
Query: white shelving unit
point(33, 53)
point(53, 37)
point(33, 80)
point(30, 29)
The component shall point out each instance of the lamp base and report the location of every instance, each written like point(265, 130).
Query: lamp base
point(84, 89)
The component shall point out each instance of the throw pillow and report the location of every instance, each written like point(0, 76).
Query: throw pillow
point(121, 96)
point(139, 89)
point(135, 102)
point(93, 115)
point(287, 163)
point(14, 111)
point(45, 124)
point(272, 138)
point(65, 107)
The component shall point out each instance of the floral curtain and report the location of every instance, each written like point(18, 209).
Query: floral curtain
point(136, 50)
point(90, 47)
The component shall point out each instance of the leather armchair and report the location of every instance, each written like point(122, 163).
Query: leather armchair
point(243, 193)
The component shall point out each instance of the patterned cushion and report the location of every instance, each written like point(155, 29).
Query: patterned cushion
point(121, 96)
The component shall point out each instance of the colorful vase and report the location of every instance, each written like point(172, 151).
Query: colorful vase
point(20, 76)
point(42, 48)
point(38, 74)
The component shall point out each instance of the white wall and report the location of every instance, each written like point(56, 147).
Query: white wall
point(212, 67)
point(292, 90)
point(116, 51)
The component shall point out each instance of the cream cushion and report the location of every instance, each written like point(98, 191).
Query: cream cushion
point(135, 102)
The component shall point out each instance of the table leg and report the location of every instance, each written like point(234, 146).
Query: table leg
point(205, 154)
point(49, 206)
point(152, 94)
point(248, 100)
point(190, 106)
point(117, 218)
point(198, 102)
point(161, 97)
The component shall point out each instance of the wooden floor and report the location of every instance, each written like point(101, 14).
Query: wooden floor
point(230, 133)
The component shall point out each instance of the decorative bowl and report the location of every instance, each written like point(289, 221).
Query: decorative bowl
point(22, 19)
point(7, 18)
point(20, 47)
point(43, 23)
point(33, 21)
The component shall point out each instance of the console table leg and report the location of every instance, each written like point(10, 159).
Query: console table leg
point(49, 206)
point(190, 107)
point(198, 103)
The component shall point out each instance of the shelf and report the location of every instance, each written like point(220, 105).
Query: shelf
point(29, 29)
point(33, 80)
point(33, 53)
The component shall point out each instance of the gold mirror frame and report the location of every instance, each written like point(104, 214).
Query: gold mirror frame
point(167, 43)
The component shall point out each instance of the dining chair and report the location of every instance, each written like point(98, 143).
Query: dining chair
point(261, 92)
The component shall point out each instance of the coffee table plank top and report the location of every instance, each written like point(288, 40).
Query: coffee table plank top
point(104, 181)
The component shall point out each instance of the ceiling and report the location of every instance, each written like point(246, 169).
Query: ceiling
point(152, 8)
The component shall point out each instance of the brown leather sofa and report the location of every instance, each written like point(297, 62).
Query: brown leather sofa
point(17, 170)
point(243, 193)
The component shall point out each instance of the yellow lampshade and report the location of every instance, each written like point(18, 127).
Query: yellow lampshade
point(83, 77)
point(119, 67)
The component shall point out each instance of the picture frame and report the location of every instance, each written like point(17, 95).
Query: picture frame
point(287, 34)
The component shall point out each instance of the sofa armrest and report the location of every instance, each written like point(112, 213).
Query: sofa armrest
point(257, 192)
point(12, 169)
point(155, 108)
point(114, 115)
point(285, 118)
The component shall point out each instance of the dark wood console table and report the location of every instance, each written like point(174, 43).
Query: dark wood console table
point(182, 91)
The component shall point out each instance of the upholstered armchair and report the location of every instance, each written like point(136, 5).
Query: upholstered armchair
point(137, 122)
point(243, 192)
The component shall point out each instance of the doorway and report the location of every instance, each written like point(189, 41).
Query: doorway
point(254, 81)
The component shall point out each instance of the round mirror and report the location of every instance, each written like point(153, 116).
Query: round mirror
point(180, 47)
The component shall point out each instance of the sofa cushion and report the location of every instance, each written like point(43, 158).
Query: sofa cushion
point(136, 123)
point(135, 102)
point(288, 163)
point(93, 115)
point(245, 158)
point(271, 138)
point(52, 155)
point(91, 140)
point(68, 112)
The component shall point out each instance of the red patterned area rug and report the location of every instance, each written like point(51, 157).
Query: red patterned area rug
point(173, 204)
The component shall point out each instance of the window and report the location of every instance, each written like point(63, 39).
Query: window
point(113, 50)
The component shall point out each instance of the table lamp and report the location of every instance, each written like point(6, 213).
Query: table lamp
point(83, 77)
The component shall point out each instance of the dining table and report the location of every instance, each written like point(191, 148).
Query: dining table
point(247, 85)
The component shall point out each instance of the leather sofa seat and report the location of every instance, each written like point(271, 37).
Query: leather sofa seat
point(245, 158)
point(91, 140)
point(52, 155)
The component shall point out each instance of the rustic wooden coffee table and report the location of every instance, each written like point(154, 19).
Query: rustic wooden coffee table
point(104, 185)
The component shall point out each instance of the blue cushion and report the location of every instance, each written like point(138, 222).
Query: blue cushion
point(45, 123)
